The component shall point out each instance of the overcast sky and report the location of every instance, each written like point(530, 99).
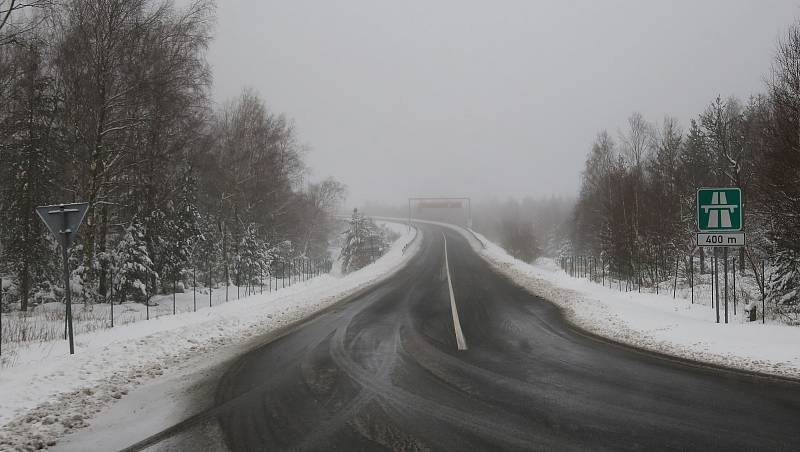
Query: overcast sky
point(483, 98)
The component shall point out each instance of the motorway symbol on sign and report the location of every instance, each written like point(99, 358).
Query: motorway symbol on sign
point(63, 220)
point(719, 209)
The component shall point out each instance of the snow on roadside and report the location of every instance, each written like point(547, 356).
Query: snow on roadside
point(48, 393)
point(654, 322)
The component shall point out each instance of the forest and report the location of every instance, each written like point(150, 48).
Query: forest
point(109, 102)
point(636, 207)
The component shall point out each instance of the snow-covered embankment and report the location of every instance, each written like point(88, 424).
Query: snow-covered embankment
point(653, 322)
point(47, 393)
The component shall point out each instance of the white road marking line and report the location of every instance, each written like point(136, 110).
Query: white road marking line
point(462, 343)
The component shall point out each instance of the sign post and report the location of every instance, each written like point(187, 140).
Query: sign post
point(63, 221)
point(719, 224)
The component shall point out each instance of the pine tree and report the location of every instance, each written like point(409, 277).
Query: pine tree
point(784, 284)
point(364, 242)
point(206, 253)
point(171, 231)
point(133, 266)
point(28, 153)
point(780, 174)
point(251, 256)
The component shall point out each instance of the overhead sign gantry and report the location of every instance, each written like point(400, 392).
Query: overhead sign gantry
point(438, 202)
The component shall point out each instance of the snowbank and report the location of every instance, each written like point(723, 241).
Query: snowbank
point(652, 322)
point(47, 393)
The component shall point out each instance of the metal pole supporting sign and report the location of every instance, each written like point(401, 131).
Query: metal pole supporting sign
point(63, 221)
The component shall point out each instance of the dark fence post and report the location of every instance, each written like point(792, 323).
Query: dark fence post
point(638, 274)
point(194, 287)
point(657, 281)
point(146, 303)
point(763, 293)
point(111, 288)
point(691, 275)
point(675, 284)
point(174, 292)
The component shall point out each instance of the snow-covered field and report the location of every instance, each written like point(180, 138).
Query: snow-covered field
point(657, 322)
point(45, 393)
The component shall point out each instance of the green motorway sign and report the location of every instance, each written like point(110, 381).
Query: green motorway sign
point(719, 209)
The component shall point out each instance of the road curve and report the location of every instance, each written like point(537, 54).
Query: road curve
point(383, 372)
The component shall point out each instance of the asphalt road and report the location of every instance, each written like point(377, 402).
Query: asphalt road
point(383, 372)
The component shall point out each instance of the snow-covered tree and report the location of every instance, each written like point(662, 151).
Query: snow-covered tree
point(30, 143)
point(364, 242)
point(171, 231)
point(207, 249)
point(108, 102)
point(251, 256)
point(785, 285)
point(133, 266)
point(780, 174)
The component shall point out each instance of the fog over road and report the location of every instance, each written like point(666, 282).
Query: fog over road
point(383, 372)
